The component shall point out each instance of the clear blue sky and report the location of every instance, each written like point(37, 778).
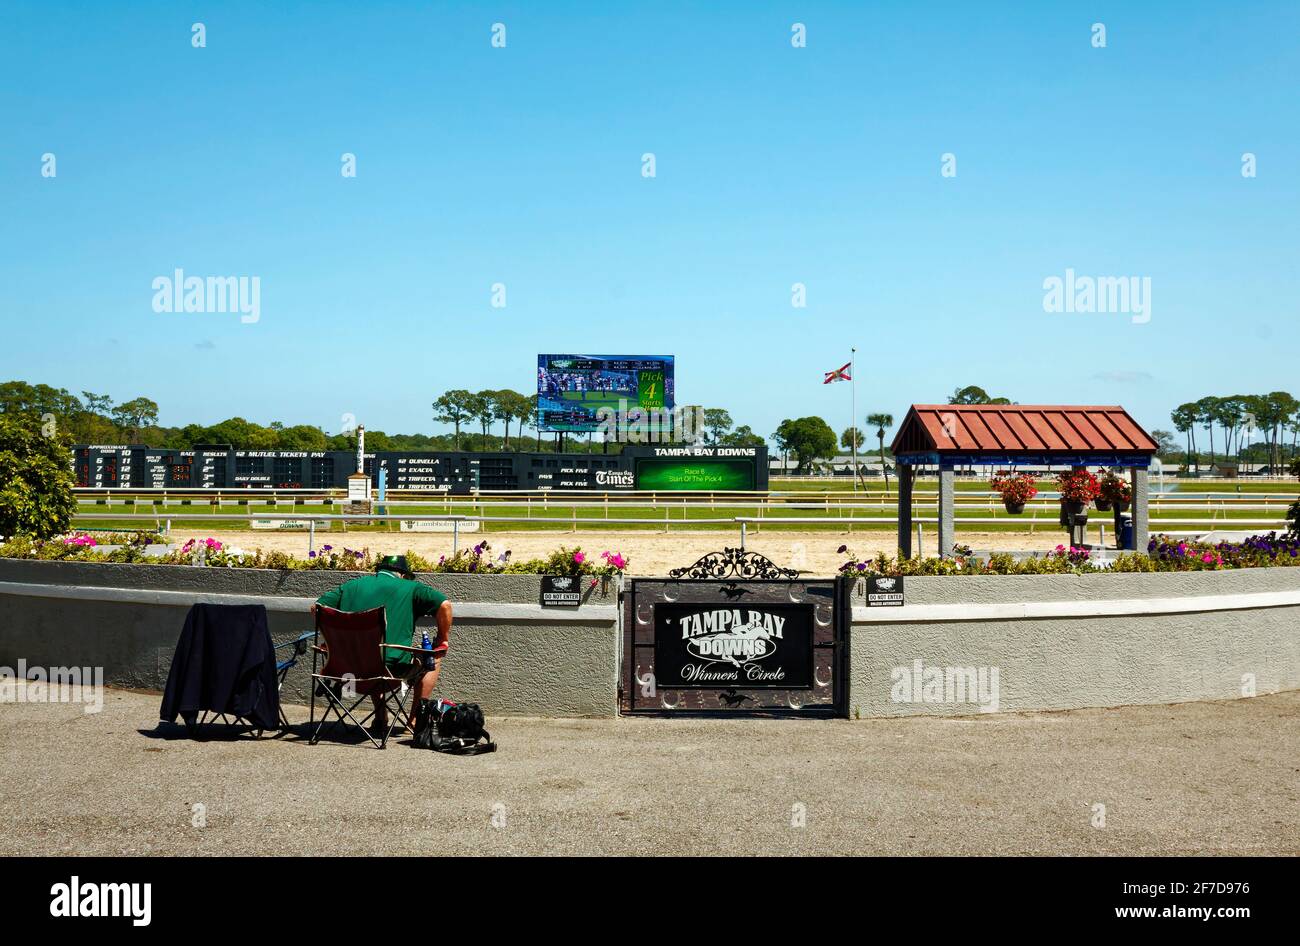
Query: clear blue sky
point(775, 165)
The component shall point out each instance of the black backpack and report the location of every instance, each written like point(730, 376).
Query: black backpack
point(455, 727)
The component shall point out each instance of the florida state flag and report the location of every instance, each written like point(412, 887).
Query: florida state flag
point(839, 374)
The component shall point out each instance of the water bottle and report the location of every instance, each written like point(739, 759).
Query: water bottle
point(428, 646)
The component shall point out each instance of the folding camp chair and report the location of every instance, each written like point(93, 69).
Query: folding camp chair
point(284, 664)
point(354, 667)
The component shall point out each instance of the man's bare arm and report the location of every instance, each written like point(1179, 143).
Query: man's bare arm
point(443, 619)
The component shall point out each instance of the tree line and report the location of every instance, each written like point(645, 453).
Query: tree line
point(95, 418)
point(1239, 417)
point(1226, 426)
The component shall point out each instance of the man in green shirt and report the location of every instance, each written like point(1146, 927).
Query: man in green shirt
point(393, 587)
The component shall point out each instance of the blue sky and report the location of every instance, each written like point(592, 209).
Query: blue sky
point(775, 165)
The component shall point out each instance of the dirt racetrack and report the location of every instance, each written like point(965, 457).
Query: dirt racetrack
point(650, 553)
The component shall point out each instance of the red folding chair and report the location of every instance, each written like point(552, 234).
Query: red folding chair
point(354, 671)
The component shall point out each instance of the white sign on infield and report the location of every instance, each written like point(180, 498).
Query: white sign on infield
point(292, 525)
point(436, 525)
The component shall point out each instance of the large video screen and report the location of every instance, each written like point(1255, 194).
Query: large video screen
point(572, 388)
point(714, 475)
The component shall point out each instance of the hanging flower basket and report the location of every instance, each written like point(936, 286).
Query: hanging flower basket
point(1077, 487)
point(1114, 490)
point(1016, 489)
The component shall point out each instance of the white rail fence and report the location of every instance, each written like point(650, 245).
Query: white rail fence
point(743, 522)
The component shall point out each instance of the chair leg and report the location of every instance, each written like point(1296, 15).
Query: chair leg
point(342, 711)
point(394, 702)
point(279, 691)
point(311, 719)
point(329, 707)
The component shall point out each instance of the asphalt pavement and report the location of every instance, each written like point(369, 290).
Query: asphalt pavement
point(1194, 778)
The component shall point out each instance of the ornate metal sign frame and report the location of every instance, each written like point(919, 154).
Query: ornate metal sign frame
point(747, 584)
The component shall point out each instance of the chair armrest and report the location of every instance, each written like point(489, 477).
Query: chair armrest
point(299, 643)
point(416, 650)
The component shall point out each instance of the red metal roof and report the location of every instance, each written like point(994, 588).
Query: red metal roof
point(1020, 428)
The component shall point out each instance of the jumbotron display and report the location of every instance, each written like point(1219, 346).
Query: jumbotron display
point(223, 468)
point(572, 388)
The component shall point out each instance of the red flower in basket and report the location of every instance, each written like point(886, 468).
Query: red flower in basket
point(1016, 489)
point(1078, 486)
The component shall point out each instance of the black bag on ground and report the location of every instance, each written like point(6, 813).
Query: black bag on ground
point(452, 727)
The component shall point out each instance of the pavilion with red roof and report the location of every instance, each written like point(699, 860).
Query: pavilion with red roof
point(951, 435)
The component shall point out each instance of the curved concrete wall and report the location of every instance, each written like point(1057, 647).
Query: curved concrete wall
point(1041, 642)
point(1070, 641)
point(508, 653)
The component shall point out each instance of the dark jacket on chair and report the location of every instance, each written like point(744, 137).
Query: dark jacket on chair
point(224, 663)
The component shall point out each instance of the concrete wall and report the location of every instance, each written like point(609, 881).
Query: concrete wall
point(508, 653)
point(1069, 641)
point(1056, 641)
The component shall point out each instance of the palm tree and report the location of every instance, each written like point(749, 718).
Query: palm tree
point(1184, 418)
point(534, 420)
point(1207, 413)
point(880, 422)
point(454, 407)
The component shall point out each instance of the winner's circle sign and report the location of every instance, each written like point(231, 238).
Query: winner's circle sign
point(761, 645)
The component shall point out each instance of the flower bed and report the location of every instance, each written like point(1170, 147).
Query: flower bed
point(211, 553)
point(1163, 555)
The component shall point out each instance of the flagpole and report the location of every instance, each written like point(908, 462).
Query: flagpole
point(853, 424)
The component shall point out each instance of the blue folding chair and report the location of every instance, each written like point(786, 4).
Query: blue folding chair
point(284, 664)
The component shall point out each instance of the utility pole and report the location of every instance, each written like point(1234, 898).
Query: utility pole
point(853, 424)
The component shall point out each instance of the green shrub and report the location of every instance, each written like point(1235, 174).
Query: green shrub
point(36, 481)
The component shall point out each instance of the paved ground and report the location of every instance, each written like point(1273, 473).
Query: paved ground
point(1197, 778)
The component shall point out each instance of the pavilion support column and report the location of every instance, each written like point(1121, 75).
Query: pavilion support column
point(1141, 508)
point(906, 476)
point(947, 516)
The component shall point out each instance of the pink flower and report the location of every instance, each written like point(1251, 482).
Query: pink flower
point(578, 558)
